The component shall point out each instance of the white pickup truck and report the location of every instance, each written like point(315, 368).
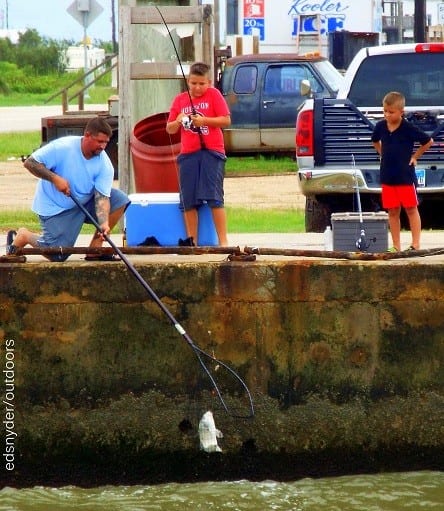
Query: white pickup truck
point(333, 136)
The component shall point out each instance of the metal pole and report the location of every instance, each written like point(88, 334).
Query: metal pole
point(85, 51)
point(113, 25)
point(420, 21)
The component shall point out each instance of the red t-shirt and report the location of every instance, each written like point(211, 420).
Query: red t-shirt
point(211, 104)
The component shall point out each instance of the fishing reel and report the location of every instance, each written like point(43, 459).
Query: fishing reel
point(186, 122)
point(363, 243)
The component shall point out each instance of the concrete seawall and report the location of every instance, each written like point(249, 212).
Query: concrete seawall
point(344, 360)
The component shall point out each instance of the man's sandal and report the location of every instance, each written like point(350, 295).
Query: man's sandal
point(10, 247)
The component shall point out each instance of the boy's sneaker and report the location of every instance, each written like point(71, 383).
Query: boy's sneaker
point(10, 247)
point(187, 242)
point(392, 249)
point(150, 241)
point(410, 248)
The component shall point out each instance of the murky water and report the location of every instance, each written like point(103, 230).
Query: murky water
point(382, 492)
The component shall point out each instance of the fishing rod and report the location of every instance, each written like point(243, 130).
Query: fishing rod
point(178, 59)
point(361, 243)
point(200, 353)
point(186, 122)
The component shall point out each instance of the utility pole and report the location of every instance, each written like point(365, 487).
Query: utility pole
point(113, 25)
point(420, 21)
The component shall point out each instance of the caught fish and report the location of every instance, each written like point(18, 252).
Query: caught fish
point(208, 434)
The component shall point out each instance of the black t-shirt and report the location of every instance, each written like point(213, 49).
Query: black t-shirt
point(397, 149)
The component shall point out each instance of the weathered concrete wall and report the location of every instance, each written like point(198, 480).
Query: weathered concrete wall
point(345, 361)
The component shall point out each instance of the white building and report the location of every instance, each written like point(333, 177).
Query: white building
point(75, 57)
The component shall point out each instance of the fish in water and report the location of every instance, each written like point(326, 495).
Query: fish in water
point(208, 434)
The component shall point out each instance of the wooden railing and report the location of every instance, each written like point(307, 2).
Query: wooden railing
point(80, 94)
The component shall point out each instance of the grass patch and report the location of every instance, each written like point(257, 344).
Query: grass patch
point(15, 218)
point(259, 165)
point(12, 219)
point(16, 144)
point(97, 95)
point(240, 220)
point(13, 145)
point(243, 220)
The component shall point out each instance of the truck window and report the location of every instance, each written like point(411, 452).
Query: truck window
point(419, 76)
point(245, 80)
point(286, 79)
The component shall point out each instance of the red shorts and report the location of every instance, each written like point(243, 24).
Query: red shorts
point(395, 196)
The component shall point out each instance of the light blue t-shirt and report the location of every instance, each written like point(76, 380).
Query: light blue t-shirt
point(64, 157)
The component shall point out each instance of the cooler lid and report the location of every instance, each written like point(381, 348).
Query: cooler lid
point(144, 199)
point(354, 216)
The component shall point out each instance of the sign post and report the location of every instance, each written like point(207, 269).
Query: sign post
point(85, 12)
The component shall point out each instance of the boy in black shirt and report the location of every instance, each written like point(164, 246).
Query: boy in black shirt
point(394, 138)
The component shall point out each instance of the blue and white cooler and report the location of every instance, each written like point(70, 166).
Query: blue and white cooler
point(159, 215)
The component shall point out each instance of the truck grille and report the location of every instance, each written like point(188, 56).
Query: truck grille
point(346, 134)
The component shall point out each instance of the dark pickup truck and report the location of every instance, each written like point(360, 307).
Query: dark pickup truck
point(263, 92)
point(334, 151)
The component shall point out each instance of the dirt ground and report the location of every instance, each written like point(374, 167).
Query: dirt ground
point(17, 187)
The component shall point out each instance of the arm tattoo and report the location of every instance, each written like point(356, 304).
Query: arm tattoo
point(102, 206)
point(38, 169)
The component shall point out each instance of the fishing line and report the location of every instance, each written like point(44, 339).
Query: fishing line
point(200, 353)
point(178, 60)
point(193, 109)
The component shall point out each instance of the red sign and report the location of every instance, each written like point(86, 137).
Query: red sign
point(254, 9)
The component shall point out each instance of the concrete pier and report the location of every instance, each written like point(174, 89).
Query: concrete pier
point(344, 361)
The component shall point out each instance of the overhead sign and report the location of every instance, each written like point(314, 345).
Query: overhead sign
point(254, 22)
point(82, 16)
point(279, 24)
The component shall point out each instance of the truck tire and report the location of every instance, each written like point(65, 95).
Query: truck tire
point(113, 152)
point(317, 215)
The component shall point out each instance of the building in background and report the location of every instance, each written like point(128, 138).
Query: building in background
point(305, 25)
point(75, 57)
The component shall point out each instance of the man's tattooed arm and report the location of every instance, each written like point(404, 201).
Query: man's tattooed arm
point(102, 206)
point(39, 170)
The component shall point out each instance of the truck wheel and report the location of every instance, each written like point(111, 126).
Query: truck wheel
point(317, 215)
point(113, 152)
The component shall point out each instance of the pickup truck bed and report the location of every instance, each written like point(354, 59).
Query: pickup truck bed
point(335, 145)
point(346, 157)
point(334, 151)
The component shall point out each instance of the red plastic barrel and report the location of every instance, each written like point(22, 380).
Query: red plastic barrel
point(154, 154)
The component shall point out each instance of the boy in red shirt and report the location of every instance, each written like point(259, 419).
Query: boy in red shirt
point(200, 114)
point(394, 138)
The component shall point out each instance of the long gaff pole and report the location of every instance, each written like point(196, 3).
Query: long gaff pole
point(180, 329)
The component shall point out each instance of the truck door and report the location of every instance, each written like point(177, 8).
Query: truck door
point(280, 99)
point(242, 93)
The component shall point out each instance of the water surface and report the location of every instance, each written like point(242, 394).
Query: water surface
point(388, 492)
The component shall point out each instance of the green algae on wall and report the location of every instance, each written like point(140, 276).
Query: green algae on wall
point(340, 357)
